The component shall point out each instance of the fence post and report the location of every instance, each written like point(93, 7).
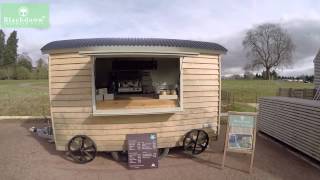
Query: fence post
point(279, 92)
point(290, 92)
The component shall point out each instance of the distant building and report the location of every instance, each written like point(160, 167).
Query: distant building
point(316, 62)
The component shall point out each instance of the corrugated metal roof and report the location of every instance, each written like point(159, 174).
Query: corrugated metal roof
point(96, 42)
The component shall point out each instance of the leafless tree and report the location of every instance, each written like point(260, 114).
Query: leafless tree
point(268, 46)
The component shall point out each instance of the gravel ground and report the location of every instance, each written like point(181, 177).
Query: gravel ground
point(24, 156)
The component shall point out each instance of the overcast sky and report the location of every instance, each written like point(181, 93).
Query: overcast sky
point(224, 22)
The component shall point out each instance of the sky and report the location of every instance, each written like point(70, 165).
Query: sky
point(224, 22)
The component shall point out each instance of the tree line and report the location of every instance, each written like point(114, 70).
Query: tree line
point(18, 66)
point(273, 75)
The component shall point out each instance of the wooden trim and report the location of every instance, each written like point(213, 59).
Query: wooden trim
point(50, 98)
point(219, 106)
point(118, 112)
point(131, 50)
point(93, 84)
point(181, 84)
point(253, 146)
point(128, 112)
point(226, 144)
point(138, 53)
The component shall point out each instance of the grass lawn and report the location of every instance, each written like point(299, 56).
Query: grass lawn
point(247, 91)
point(30, 97)
point(24, 97)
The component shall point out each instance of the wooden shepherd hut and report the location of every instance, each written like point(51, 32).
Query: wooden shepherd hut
point(105, 88)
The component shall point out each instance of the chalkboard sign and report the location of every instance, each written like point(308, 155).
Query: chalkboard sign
point(142, 151)
point(240, 135)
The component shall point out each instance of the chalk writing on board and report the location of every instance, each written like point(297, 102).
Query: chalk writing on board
point(142, 151)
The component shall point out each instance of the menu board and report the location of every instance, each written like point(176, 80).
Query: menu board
point(142, 151)
point(240, 136)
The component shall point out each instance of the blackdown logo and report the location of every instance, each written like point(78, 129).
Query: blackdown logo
point(23, 11)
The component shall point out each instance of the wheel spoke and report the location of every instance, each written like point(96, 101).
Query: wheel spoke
point(75, 150)
point(89, 155)
point(189, 145)
point(195, 145)
point(82, 149)
point(89, 148)
point(82, 142)
point(196, 141)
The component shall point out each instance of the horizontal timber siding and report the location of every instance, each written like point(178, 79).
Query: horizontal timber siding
point(293, 121)
point(71, 105)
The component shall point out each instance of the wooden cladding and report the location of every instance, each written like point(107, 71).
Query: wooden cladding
point(72, 108)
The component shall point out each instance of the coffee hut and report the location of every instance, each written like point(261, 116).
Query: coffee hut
point(106, 88)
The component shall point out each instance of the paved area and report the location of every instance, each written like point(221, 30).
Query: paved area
point(24, 156)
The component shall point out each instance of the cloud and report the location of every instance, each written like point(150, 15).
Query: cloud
point(224, 22)
point(305, 35)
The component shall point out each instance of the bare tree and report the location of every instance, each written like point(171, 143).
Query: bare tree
point(268, 46)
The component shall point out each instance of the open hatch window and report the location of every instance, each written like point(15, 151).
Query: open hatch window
point(128, 86)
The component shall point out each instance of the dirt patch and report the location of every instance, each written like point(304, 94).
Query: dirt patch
point(24, 156)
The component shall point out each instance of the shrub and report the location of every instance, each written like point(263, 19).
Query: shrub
point(22, 73)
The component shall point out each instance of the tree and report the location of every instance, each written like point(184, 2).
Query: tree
point(248, 75)
point(25, 61)
point(10, 52)
point(22, 73)
point(41, 63)
point(2, 46)
point(268, 46)
point(41, 69)
point(274, 75)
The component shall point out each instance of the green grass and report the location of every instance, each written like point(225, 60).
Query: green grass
point(24, 97)
point(242, 107)
point(247, 91)
point(30, 97)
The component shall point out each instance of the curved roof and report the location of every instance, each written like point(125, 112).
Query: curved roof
point(140, 42)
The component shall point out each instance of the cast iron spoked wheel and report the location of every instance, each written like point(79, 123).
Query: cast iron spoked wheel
point(196, 141)
point(82, 149)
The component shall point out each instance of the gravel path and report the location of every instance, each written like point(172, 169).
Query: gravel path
point(23, 156)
